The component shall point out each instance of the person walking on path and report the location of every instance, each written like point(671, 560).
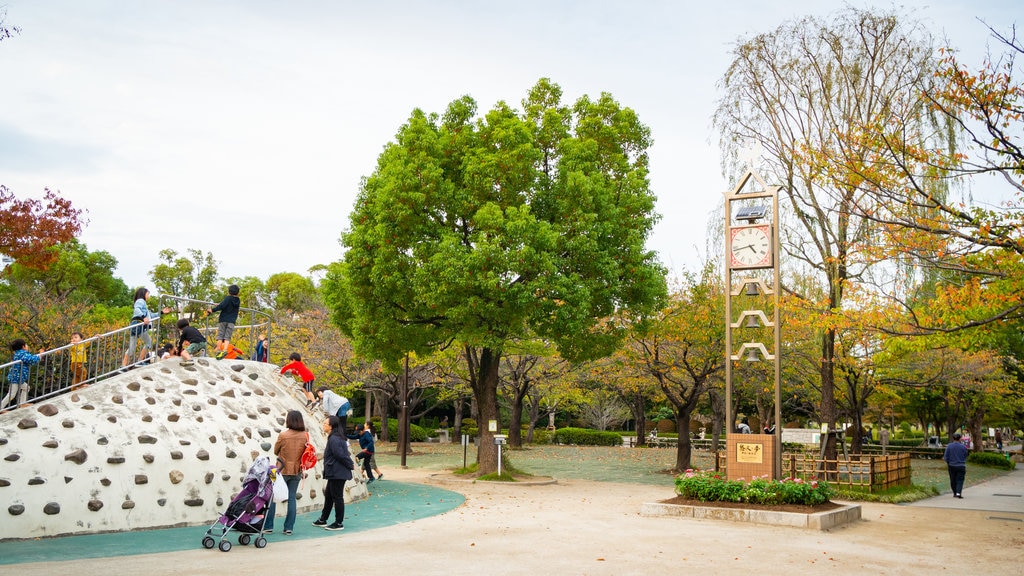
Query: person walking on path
point(290, 445)
point(299, 369)
point(999, 440)
point(228, 309)
point(955, 457)
point(338, 467)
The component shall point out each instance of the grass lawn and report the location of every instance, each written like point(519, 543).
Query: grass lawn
point(618, 464)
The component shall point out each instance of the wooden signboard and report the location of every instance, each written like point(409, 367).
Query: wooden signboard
point(751, 456)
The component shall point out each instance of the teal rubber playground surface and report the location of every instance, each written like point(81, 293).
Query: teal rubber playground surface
point(390, 503)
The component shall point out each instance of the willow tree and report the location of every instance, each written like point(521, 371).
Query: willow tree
point(795, 92)
point(479, 232)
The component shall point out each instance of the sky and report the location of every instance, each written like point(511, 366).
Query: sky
point(243, 128)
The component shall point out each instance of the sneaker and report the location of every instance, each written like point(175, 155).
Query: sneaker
point(315, 405)
point(380, 476)
point(370, 480)
point(334, 526)
point(268, 531)
point(319, 522)
point(220, 355)
point(287, 532)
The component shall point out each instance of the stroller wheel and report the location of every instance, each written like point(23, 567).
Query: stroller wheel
point(244, 539)
point(209, 542)
point(261, 542)
point(225, 546)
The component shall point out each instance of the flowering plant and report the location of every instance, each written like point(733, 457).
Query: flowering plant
point(708, 486)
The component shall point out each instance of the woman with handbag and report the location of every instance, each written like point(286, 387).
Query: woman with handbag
point(338, 467)
point(289, 447)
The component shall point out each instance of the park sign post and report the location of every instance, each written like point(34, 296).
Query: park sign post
point(752, 282)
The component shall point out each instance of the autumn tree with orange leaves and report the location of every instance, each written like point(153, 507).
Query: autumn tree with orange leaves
point(966, 254)
point(29, 227)
point(682, 349)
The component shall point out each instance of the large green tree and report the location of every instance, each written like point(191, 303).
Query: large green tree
point(192, 277)
point(480, 231)
point(75, 271)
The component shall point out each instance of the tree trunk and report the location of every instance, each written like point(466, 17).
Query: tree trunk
point(857, 438)
point(382, 409)
point(515, 427)
point(534, 417)
point(485, 391)
point(828, 398)
point(684, 450)
point(718, 417)
point(458, 419)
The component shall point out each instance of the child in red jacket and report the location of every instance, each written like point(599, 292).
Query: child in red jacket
point(299, 369)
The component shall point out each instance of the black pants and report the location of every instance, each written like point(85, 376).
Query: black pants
point(956, 478)
point(365, 457)
point(334, 495)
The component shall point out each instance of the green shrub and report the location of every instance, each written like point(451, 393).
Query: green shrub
point(543, 436)
point(587, 437)
point(991, 459)
point(710, 486)
point(416, 433)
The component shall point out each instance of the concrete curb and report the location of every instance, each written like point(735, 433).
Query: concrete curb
point(441, 478)
point(815, 521)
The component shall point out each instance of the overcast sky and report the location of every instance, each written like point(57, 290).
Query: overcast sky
point(243, 127)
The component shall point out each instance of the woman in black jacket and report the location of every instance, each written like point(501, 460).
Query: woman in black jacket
point(338, 466)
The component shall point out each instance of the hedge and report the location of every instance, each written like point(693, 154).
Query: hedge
point(991, 459)
point(587, 437)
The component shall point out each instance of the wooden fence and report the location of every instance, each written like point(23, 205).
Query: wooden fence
point(871, 473)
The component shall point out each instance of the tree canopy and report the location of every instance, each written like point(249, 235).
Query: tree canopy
point(481, 231)
point(30, 227)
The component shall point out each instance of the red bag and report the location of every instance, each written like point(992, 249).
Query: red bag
point(308, 459)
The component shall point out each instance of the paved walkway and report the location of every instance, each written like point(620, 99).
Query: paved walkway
point(1000, 494)
point(595, 528)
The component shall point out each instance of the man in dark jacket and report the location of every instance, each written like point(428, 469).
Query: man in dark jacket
point(956, 461)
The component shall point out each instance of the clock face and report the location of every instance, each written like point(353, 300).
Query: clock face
point(751, 247)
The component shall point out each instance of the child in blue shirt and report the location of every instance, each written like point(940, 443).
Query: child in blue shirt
point(17, 375)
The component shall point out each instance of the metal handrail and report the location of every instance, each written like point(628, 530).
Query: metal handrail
point(104, 354)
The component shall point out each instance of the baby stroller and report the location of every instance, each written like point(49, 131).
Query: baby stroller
point(245, 513)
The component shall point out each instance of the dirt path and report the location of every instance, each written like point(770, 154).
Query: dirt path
point(584, 527)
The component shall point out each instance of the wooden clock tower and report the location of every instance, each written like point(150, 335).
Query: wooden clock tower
point(752, 286)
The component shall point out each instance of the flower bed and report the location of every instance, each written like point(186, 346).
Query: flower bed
point(709, 486)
